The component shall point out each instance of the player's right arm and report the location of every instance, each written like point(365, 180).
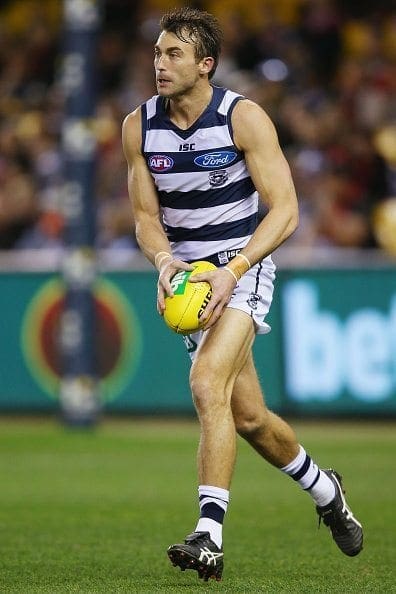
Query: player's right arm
point(142, 193)
point(150, 234)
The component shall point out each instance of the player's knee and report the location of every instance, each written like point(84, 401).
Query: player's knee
point(207, 391)
point(249, 425)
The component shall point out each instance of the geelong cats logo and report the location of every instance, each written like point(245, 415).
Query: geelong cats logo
point(253, 300)
point(218, 177)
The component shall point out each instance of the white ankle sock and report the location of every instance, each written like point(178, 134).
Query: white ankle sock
point(214, 528)
point(213, 502)
point(323, 490)
point(309, 476)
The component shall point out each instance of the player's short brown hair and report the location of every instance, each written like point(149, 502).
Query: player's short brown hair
point(197, 27)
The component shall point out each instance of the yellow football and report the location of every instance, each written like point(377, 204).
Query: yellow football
point(184, 310)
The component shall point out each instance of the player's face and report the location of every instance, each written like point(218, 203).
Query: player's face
point(176, 68)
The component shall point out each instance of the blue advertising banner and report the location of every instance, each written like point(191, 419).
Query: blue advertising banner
point(339, 338)
point(331, 351)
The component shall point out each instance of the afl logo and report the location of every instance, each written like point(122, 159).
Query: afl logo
point(219, 159)
point(160, 163)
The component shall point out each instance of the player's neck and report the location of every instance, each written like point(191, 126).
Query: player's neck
point(186, 109)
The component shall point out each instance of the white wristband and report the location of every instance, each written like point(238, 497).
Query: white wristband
point(245, 258)
point(164, 256)
point(231, 272)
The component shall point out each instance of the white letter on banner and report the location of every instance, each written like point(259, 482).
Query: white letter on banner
point(367, 337)
point(313, 345)
point(393, 337)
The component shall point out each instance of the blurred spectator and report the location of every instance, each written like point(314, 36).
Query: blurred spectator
point(320, 30)
point(324, 70)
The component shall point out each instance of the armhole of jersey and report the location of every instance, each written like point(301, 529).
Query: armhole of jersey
point(229, 115)
point(143, 111)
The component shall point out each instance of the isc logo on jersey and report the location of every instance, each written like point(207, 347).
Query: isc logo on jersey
point(160, 162)
point(218, 159)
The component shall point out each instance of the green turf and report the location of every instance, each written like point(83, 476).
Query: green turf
point(95, 511)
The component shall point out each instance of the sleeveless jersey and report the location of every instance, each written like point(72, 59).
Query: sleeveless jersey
point(208, 201)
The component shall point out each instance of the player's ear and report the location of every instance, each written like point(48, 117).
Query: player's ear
point(206, 65)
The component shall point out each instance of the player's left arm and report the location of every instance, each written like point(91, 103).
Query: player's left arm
point(255, 135)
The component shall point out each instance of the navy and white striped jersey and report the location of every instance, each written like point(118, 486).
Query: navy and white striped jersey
point(208, 201)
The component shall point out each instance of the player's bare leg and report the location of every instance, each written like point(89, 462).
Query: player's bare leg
point(275, 441)
point(221, 356)
point(270, 435)
point(218, 363)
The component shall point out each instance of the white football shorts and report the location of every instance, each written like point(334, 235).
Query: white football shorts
point(253, 295)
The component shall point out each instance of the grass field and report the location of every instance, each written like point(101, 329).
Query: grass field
point(95, 511)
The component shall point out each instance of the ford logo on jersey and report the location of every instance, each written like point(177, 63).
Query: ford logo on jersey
point(160, 162)
point(219, 159)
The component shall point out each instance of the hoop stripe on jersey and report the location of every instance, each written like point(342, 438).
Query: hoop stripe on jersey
point(213, 232)
point(208, 200)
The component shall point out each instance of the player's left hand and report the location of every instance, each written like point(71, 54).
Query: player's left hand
point(164, 288)
point(223, 285)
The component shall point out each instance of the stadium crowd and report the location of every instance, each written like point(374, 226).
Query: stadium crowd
point(324, 70)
